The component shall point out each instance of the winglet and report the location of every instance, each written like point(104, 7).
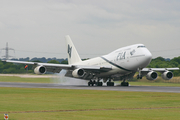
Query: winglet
point(73, 56)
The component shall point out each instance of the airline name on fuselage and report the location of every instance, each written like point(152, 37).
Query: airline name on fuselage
point(121, 56)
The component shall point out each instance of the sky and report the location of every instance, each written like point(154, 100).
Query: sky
point(37, 28)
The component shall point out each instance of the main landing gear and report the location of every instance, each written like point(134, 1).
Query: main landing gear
point(124, 83)
point(99, 83)
point(109, 83)
point(92, 83)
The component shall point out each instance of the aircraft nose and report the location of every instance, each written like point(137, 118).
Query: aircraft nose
point(148, 57)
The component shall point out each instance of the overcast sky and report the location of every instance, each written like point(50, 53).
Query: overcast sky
point(37, 28)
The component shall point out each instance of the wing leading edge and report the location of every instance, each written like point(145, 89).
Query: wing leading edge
point(158, 69)
point(56, 68)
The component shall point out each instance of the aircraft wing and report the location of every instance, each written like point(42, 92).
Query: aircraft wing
point(56, 68)
point(152, 75)
point(158, 69)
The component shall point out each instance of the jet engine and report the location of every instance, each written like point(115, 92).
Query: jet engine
point(167, 75)
point(40, 70)
point(78, 73)
point(151, 75)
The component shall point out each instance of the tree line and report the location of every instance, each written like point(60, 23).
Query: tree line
point(158, 62)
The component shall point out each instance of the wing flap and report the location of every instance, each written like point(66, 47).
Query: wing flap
point(53, 69)
point(95, 68)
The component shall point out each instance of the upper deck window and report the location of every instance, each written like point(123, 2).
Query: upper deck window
point(141, 46)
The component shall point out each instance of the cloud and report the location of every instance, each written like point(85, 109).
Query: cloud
point(41, 25)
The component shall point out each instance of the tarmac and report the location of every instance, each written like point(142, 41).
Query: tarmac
point(85, 87)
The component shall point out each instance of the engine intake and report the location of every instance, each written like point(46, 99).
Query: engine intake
point(40, 70)
point(151, 75)
point(167, 75)
point(78, 73)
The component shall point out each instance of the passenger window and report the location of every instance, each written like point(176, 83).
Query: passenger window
point(141, 47)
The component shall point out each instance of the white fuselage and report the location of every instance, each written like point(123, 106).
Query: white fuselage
point(123, 61)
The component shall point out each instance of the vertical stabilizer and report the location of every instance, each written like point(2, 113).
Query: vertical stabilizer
point(73, 56)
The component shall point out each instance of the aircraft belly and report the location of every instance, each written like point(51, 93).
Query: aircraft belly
point(112, 72)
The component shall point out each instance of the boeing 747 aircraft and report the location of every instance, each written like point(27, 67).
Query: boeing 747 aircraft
point(120, 64)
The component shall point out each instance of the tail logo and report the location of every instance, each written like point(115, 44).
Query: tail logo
point(69, 50)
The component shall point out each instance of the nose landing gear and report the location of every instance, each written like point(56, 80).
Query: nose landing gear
point(139, 76)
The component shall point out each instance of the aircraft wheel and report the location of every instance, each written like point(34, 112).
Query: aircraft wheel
point(99, 83)
point(124, 84)
point(91, 83)
point(110, 83)
point(139, 76)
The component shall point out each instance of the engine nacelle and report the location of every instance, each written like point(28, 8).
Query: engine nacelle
point(151, 75)
point(78, 73)
point(167, 75)
point(40, 70)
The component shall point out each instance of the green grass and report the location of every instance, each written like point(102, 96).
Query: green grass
point(45, 104)
point(144, 83)
point(25, 80)
point(171, 114)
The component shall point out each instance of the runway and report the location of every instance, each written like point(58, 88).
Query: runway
point(83, 87)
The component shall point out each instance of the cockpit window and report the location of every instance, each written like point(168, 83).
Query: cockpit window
point(141, 46)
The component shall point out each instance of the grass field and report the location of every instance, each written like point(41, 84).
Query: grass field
point(26, 80)
point(57, 104)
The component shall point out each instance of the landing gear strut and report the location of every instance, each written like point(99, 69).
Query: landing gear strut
point(139, 76)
